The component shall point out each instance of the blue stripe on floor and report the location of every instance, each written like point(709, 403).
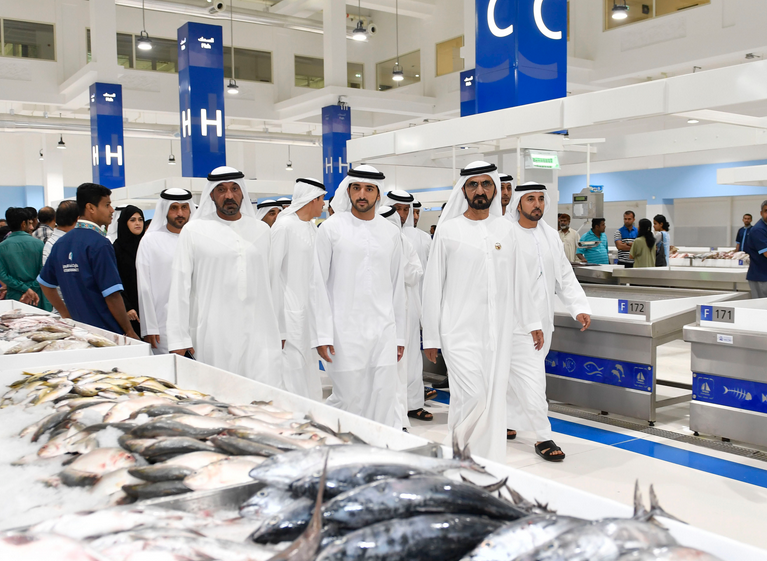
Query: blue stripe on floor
point(664, 452)
point(442, 396)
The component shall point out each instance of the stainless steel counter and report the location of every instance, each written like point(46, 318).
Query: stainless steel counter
point(706, 278)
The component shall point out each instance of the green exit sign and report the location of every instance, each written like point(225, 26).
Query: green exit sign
point(543, 160)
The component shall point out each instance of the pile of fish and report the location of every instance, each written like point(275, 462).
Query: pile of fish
point(22, 333)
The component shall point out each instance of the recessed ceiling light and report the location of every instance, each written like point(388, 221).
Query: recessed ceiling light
point(692, 121)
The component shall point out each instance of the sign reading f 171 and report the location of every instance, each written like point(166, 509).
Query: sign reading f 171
point(107, 157)
point(201, 98)
point(521, 52)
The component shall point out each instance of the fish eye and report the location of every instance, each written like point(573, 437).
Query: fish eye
point(261, 494)
point(274, 520)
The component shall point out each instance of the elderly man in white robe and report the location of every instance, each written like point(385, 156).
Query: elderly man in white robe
point(221, 309)
point(412, 363)
point(360, 298)
point(474, 294)
point(154, 263)
point(292, 258)
point(550, 274)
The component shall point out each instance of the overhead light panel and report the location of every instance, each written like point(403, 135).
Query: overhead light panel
point(620, 11)
point(143, 42)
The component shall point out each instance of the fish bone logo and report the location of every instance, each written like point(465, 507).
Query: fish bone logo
point(739, 393)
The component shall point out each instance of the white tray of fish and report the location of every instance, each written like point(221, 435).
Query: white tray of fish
point(72, 349)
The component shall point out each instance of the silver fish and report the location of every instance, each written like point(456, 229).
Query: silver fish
point(676, 553)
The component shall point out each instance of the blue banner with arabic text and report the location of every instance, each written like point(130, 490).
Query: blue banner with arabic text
point(600, 370)
point(730, 392)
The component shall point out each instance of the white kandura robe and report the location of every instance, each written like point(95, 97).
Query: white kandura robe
point(221, 298)
point(413, 274)
point(292, 257)
point(154, 263)
point(475, 292)
point(359, 293)
point(550, 275)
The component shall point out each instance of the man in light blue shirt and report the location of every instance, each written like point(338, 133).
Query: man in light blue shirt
point(596, 255)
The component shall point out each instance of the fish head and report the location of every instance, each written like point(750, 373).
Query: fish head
point(267, 502)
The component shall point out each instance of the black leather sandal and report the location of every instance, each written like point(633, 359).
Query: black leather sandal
point(421, 414)
point(510, 436)
point(546, 451)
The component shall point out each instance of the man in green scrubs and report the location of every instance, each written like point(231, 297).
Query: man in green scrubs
point(21, 258)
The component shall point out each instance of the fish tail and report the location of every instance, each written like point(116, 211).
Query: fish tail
point(657, 510)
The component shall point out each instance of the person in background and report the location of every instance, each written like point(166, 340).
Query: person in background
point(47, 222)
point(570, 238)
point(755, 245)
point(596, 255)
point(331, 212)
point(662, 240)
point(32, 221)
point(624, 237)
point(66, 218)
point(83, 264)
point(432, 228)
point(740, 238)
point(21, 258)
point(643, 249)
point(268, 210)
point(130, 230)
point(505, 193)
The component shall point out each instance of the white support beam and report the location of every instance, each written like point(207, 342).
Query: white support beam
point(421, 9)
point(749, 175)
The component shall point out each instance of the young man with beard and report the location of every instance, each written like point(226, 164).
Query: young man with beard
point(475, 293)
point(221, 308)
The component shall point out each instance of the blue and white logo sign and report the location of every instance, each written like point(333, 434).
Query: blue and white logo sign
point(600, 370)
point(706, 313)
point(468, 93)
point(623, 306)
point(201, 98)
point(107, 143)
point(521, 52)
point(336, 132)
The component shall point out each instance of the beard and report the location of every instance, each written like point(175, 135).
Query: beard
point(535, 215)
point(362, 209)
point(178, 222)
point(229, 208)
point(479, 202)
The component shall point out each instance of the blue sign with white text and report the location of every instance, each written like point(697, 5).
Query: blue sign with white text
point(521, 52)
point(107, 146)
point(623, 306)
point(468, 93)
point(706, 313)
point(336, 132)
point(201, 98)
point(601, 370)
point(730, 392)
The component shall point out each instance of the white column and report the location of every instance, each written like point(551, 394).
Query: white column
point(469, 49)
point(103, 25)
point(334, 42)
point(70, 39)
point(53, 169)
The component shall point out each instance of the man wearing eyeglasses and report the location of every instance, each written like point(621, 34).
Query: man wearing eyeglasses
point(475, 293)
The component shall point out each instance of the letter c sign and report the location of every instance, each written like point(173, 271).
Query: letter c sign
point(506, 31)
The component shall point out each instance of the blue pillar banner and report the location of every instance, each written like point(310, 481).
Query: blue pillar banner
point(201, 98)
point(336, 132)
point(107, 146)
point(521, 52)
point(468, 93)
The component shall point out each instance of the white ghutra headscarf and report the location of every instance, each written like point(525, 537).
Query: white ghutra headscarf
point(399, 197)
point(167, 198)
point(222, 174)
point(361, 174)
point(457, 203)
point(305, 191)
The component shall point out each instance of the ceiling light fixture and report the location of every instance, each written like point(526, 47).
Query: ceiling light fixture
point(232, 88)
point(41, 154)
point(397, 74)
point(692, 121)
point(289, 165)
point(171, 158)
point(143, 42)
point(359, 33)
point(620, 11)
point(61, 145)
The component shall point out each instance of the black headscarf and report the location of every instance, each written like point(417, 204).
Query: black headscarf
point(126, 248)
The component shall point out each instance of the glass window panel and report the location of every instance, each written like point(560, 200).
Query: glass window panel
point(411, 66)
point(255, 66)
point(28, 40)
point(124, 48)
point(449, 56)
point(663, 7)
point(355, 75)
point(639, 10)
point(309, 72)
point(163, 57)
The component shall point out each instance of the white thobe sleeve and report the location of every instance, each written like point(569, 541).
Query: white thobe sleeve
point(179, 304)
point(431, 298)
point(322, 326)
point(399, 295)
point(413, 268)
point(569, 290)
point(277, 253)
point(146, 302)
point(527, 316)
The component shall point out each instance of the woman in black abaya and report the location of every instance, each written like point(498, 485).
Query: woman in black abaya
point(130, 230)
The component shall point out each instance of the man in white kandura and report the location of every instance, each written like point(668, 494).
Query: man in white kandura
point(221, 308)
point(412, 363)
point(154, 263)
point(474, 294)
point(360, 298)
point(549, 273)
point(292, 258)
point(506, 193)
point(413, 273)
point(267, 211)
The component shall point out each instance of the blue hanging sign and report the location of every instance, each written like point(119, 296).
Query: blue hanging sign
point(107, 145)
point(730, 392)
point(336, 132)
point(468, 93)
point(521, 52)
point(201, 98)
point(600, 370)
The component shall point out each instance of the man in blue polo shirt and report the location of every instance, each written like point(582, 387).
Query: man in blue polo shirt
point(740, 238)
point(82, 263)
point(756, 247)
point(624, 237)
point(596, 255)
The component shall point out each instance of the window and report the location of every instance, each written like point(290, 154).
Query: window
point(309, 72)
point(124, 48)
point(255, 66)
point(26, 39)
point(640, 10)
point(411, 66)
point(355, 75)
point(449, 56)
point(163, 57)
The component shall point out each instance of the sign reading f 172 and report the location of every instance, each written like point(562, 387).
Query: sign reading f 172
point(521, 52)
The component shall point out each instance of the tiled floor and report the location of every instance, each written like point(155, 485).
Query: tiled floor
point(702, 486)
